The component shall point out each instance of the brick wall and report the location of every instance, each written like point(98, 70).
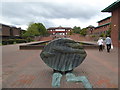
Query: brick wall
point(10, 31)
point(115, 26)
point(105, 21)
point(16, 31)
point(5, 30)
point(119, 27)
point(102, 28)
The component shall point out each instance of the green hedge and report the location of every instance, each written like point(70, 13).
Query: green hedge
point(20, 40)
point(12, 41)
point(29, 39)
point(4, 42)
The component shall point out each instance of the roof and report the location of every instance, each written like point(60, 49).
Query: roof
point(52, 28)
point(104, 19)
point(10, 26)
point(111, 7)
point(4, 25)
point(103, 25)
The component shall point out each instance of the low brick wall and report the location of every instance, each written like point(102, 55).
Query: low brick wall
point(31, 47)
point(35, 46)
point(76, 37)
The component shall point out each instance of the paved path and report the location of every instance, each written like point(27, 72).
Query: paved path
point(25, 69)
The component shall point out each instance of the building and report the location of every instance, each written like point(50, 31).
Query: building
point(10, 32)
point(59, 30)
point(103, 26)
point(114, 8)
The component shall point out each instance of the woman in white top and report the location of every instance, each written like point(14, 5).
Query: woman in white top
point(100, 43)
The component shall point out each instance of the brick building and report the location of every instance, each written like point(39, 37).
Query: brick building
point(114, 8)
point(103, 26)
point(10, 32)
point(59, 30)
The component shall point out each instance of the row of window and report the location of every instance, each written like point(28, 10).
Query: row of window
point(106, 21)
point(98, 33)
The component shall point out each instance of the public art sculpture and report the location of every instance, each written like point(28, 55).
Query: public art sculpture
point(63, 55)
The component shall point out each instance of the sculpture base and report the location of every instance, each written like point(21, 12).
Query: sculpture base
point(70, 78)
point(56, 71)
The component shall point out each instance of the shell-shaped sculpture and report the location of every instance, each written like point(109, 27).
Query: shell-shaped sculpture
point(63, 54)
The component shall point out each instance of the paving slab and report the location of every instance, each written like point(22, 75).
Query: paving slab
point(25, 69)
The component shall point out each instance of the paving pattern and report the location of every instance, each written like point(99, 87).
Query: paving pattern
point(25, 69)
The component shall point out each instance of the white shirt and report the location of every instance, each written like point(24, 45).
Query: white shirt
point(100, 42)
point(108, 40)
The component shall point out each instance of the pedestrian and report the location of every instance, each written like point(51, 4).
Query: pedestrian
point(108, 42)
point(100, 43)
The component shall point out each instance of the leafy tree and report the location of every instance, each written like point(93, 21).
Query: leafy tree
point(41, 28)
point(108, 32)
point(83, 31)
point(23, 32)
point(70, 33)
point(102, 35)
point(35, 29)
point(76, 29)
point(32, 31)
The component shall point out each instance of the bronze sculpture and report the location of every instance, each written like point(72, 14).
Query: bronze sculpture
point(63, 55)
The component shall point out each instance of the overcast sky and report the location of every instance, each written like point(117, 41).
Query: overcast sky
point(53, 13)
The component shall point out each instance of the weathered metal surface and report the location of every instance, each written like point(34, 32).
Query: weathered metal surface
point(56, 80)
point(72, 78)
point(63, 54)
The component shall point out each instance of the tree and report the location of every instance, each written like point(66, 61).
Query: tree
point(76, 29)
point(70, 33)
point(83, 31)
point(32, 31)
point(35, 29)
point(41, 28)
point(108, 32)
point(102, 35)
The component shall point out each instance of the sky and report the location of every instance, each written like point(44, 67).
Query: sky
point(53, 13)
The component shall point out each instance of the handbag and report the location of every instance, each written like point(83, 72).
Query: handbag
point(111, 46)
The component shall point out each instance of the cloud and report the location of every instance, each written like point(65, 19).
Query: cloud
point(53, 12)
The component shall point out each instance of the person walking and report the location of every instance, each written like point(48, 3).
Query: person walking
point(100, 43)
point(108, 42)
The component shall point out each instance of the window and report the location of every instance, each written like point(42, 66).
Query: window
point(11, 32)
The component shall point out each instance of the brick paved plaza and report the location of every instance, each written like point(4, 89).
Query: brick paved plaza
point(25, 69)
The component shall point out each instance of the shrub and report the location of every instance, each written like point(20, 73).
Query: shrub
point(20, 40)
point(11, 41)
point(4, 42)
point(102, 35)
point(93, 35)
point(29, 39)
